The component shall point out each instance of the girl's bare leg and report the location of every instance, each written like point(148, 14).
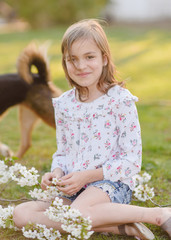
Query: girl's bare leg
point(95, 203)
point(33, 212)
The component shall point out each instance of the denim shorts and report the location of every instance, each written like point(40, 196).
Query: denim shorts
point(118, 192)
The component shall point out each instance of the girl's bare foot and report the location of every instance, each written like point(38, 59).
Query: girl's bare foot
point(165, 221)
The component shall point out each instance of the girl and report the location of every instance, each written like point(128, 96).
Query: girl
point(99, 142)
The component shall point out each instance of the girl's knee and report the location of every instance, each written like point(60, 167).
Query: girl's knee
point(86, 211)
point(19, 216)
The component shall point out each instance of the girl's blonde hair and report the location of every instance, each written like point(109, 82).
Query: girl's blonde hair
point(90, 29)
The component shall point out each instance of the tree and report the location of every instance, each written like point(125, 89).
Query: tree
point(44, 13)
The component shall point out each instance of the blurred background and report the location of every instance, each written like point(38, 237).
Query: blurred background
point(41, 14)
point(139, 34)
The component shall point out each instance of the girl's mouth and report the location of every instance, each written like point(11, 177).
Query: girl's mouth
point(84, 74)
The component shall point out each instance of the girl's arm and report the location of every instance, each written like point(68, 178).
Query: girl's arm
point(58, 173)
point(93, 175)
point(125, 161)
point(59, 158)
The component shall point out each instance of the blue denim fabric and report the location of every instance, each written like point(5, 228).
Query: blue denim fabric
point(118, 192)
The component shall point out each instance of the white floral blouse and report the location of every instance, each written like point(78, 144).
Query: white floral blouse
point(103, 133)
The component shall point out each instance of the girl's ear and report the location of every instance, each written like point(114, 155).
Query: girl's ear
point(105, 60)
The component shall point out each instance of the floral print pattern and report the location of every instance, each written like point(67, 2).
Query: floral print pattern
point(103, 133)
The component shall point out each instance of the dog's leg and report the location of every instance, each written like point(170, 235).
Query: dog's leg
point(5, 150)
point(28, 120)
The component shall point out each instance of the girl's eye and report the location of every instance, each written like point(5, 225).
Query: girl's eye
point(70, 59)
point(90, 57)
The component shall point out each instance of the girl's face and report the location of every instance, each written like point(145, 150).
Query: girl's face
point(85, 64)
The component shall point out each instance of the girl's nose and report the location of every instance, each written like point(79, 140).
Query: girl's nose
point(80, 64)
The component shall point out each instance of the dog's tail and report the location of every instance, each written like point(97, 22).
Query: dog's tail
point(37, 56)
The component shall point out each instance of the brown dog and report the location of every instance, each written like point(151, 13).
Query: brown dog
point(33, 92)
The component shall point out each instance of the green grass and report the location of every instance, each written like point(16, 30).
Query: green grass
point(142, 57)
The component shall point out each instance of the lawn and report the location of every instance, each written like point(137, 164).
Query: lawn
point(142, 58)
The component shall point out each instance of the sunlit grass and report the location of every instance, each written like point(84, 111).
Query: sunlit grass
point(144, 61)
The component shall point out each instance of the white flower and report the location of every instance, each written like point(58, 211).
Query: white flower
point(142, 178)
point(22, 176)
point(55, 181)
point(71, 219)
point(49, 194)
point(3, 167)
point(41, 232)
point(70, 238)
point(6, 217)
point(146, 177)
point(4, 173)
point(143, 192)
point(36, 193)
point(138, 179)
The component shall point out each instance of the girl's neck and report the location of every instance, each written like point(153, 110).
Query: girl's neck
point(92, 96)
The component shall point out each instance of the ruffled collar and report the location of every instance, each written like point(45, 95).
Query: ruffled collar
point(69, 106)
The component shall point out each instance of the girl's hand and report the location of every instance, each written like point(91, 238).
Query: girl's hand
point(47, 180)
point(47, 177)
point(73, 182)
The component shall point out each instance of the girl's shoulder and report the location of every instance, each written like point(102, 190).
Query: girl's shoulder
point(120, 94)
point(64, 97)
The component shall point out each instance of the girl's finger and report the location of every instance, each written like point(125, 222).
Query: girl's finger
point(47, 182)
point(66, 176)
point(43, 186)
point(65, 189)
point(64, 183)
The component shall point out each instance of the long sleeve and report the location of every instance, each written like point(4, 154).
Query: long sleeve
point(125, 160)
point(59, 158)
